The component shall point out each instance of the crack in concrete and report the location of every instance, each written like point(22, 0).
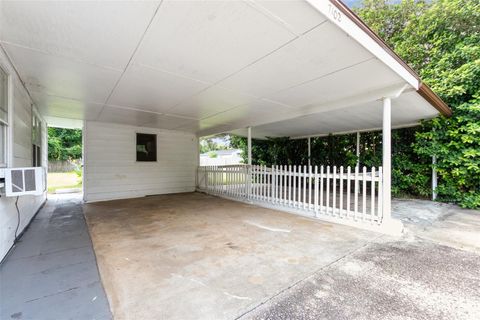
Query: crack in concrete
point(266, 227)
point(53, 294)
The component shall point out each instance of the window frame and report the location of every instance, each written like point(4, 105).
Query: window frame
point(156, 147)
point(5, 126)
point(36, 139)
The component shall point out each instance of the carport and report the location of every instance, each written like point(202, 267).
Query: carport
point(181, 70)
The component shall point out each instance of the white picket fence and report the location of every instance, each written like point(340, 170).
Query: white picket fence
point(339, 193)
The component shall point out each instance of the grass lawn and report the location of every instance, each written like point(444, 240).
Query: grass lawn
point(63, 180)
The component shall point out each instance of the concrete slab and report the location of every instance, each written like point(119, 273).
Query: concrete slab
point(389, 280)
point(442, 223)
point(429, 273)
point(194, 256)
point(51, 273)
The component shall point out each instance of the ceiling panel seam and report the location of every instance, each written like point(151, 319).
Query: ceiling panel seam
point(327, 74)
point(270, 15)
point(131, 57)
point(241, 105)
point(146, 66)
point(61, 56)
point(149, 111)
point(232, 74)
point(66, 98)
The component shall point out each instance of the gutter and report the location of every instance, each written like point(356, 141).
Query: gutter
point(423, 89)
point(434, 99)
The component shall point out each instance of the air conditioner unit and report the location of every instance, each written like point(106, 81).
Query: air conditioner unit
point(24, 181)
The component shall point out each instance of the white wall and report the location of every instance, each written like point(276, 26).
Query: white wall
point(111, 170)
point(20, 155)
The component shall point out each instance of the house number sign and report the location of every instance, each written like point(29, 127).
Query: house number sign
point(334, 13)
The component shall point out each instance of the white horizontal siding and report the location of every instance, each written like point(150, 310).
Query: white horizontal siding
point(22, 157)
point(111, 170)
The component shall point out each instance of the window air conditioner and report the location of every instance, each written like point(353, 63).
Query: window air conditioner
point(24, 181)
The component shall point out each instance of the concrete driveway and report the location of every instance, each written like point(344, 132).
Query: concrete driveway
point(390, 280)
point(431, 272)
point(196, 256)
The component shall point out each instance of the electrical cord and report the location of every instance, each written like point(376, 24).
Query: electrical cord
point(18, 219)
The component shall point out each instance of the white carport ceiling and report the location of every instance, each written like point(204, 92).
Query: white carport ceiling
point(405, 112)
point(199, 66)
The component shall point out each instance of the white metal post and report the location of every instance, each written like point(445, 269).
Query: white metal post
point(249, 162)
point(434, 178)
point(197, 182)
point(249, 145)
point(387, 154)
point(309, 153)
point(85, 166)
point(357, 153)
point(358, 149)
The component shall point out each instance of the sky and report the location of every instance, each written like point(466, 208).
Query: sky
point(351, 3)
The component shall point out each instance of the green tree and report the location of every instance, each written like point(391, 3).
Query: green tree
point(64, 144)
point(209, 144)
point(441, 41)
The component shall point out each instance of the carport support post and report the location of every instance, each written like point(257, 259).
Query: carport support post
point(249, 145)
point(249, 162)
point(309, 153)
point(357, 153)
point(387, 157)
point(197, 181)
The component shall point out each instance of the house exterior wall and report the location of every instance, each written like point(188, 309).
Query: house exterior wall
point(19, 154)
point(112, 172)
point(230, 158)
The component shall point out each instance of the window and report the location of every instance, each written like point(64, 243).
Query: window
point(3, 117)
point(36, 141)
point(146, 147)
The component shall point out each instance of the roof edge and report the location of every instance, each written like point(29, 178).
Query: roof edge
point(362, 25)
point(423, 89)
point(434, 99)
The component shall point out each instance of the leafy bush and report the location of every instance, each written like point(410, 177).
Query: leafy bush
point(64, 144)
point(440, 39)
point(456, 142)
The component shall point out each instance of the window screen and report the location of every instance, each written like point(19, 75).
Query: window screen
point(146, 147)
